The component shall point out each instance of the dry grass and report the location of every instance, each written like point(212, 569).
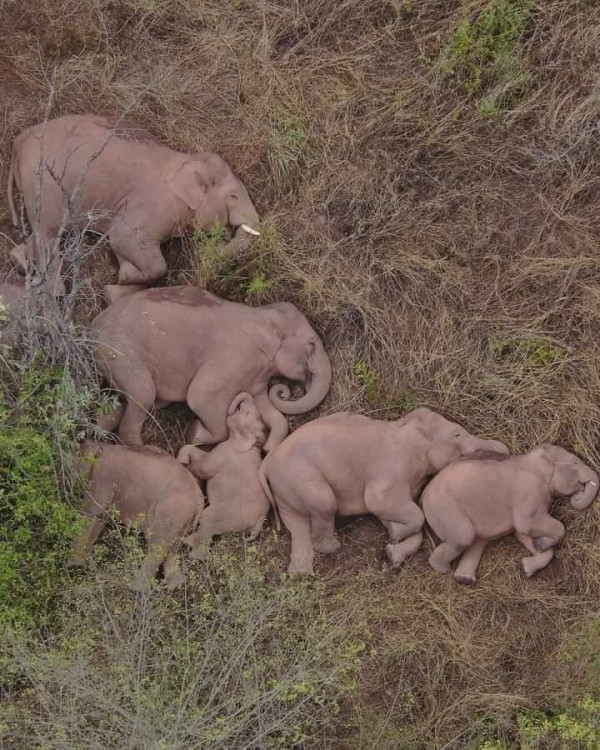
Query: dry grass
point(449, 252)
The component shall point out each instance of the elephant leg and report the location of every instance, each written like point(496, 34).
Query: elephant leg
point(95, 520)
point(466, 571)
point(206, 399)
point(156, 553)
point(442, 556)
point(302, 552)
point(114, 292)
point(537, 560)
point(322, 519)
point(172, 571)
point(200, 540)
point(85, 541)
point(139, 402)
point(402, 518)
point(140, 259)
point(109, 421)
point(255, 530)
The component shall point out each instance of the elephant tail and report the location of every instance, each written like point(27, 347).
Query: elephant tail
point(264, 483)
point(9, 192)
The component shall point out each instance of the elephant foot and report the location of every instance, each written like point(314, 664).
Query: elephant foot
point(529, 566)
point(327, 545)
point(440, 566)
point(542, 543)
point(197, 434)
point(174, 580)
point(465, 579)
point(297, 567)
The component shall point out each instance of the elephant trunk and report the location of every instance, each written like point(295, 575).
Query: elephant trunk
point(318, 384)
point(582, 499)
point(242, 215)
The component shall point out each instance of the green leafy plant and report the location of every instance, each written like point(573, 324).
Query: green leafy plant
point(369, 380)
point(36, 524)
point(577, 726)
point(485, 56)
point(288, 139)
point(248, 658)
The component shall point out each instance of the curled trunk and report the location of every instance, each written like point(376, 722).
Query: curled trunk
point(582, 499)
point(318, 384)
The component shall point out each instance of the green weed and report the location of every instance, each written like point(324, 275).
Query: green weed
point(485, 56)
point(369, 380)
point(287, 141)
point(246, 659)
point(36, 524)
point(577, 726)
point(536, 352)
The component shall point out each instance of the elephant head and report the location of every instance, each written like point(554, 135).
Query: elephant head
point(442, 441)
point(299, 356)
point(216, 197)
point(246, 428)
point(566, 474)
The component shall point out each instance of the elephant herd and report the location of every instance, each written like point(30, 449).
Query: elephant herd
point(156, 346)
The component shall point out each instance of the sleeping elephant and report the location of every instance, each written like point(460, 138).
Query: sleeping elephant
point(489, 496)
point(349, 464)
point(112, 176)
point(150, 490)
point(185, 344)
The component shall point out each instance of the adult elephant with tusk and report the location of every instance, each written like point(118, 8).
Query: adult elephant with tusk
point(114, 177)
point(186, 344)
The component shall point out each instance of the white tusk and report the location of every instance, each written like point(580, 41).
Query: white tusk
point(248, 229)
point(593, 484)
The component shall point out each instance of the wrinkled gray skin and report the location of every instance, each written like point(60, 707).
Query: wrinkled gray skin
point(236, 499)
point(152, 491)
point(348, 464)
point(115, 178)
point(477, 500)
point(184, 344)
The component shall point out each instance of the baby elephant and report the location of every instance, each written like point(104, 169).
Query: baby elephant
point(488, 496)
point(151, 490)
point(237, 501)
point(349, 464)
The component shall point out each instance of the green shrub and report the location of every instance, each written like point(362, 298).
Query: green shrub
point(484, 54)
point(36, 523)
point(246, 657)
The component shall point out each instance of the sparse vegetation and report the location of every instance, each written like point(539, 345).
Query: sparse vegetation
point(427, 178)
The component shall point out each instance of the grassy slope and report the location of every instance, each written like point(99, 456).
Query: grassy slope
point(428, 175)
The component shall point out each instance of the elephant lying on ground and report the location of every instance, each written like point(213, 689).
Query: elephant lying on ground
point(483, 498)
point(348, 464)
point(236, 499)
point(112, 176)
point(185, 344)
point(152, 491)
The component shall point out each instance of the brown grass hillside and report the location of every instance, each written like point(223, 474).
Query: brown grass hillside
point(428, 173)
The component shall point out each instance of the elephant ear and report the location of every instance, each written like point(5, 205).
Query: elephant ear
point(188, 184)
point(265, 335)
